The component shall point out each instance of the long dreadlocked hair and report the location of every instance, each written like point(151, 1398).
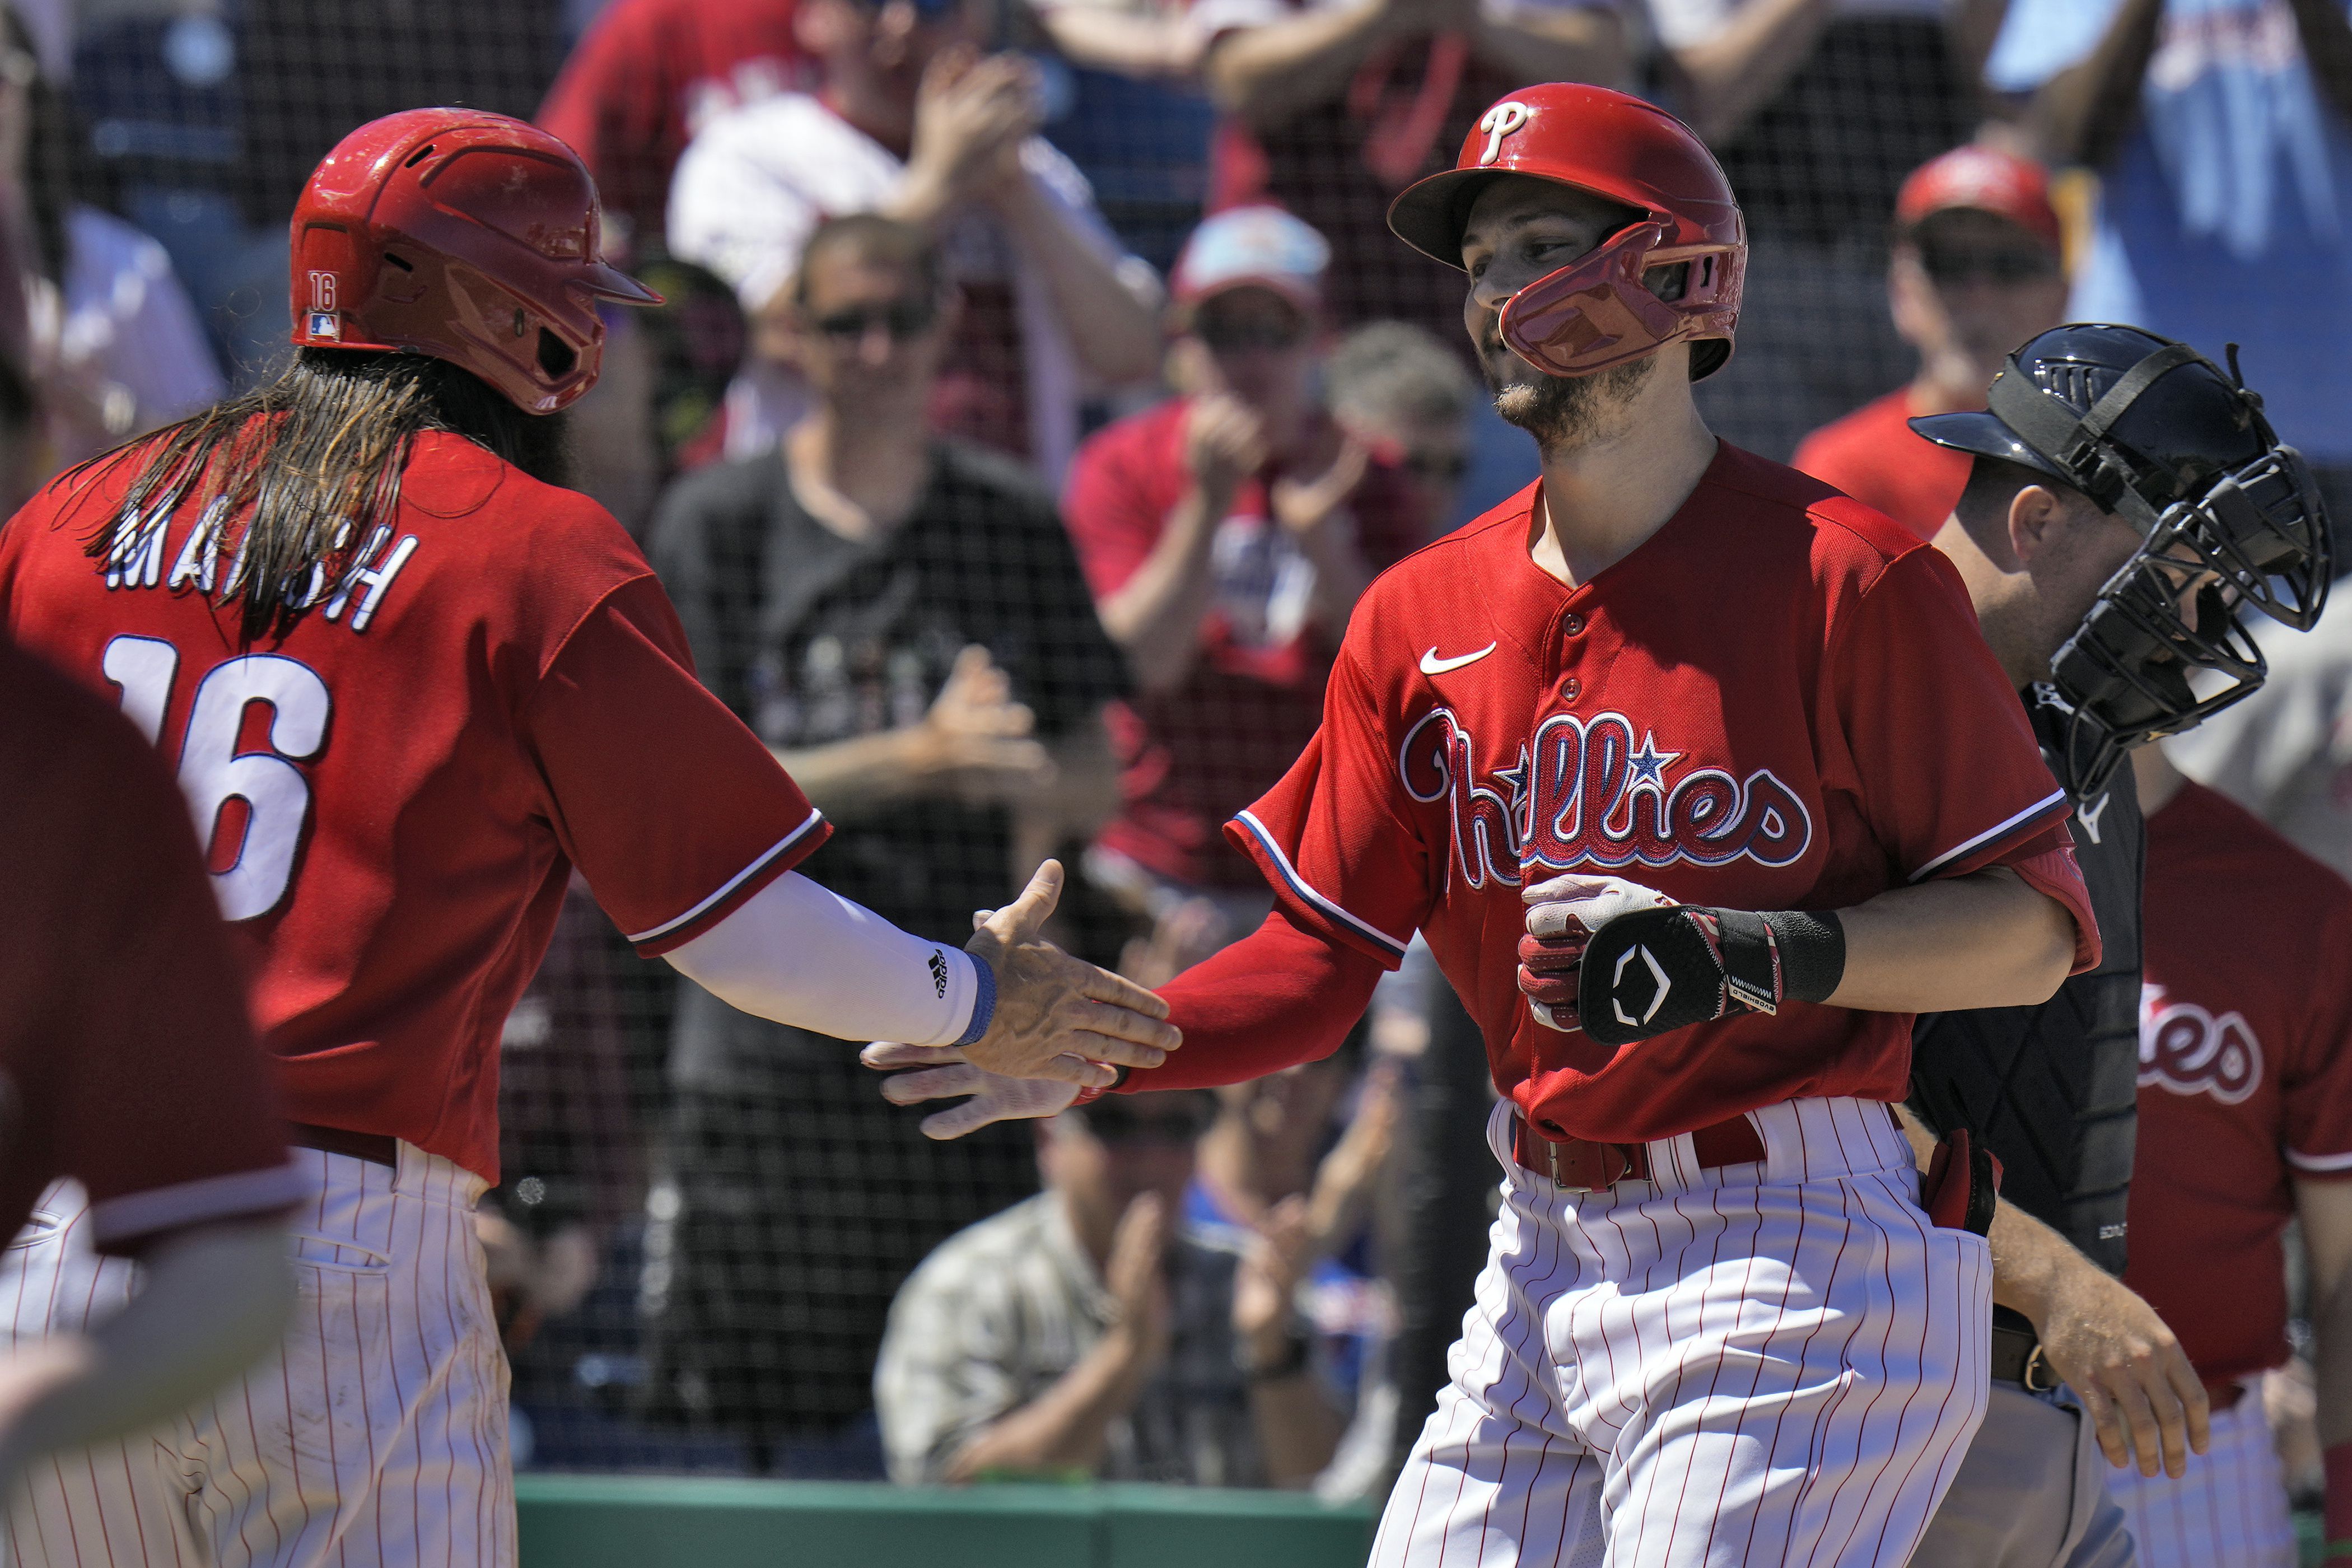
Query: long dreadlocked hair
point(291, 478)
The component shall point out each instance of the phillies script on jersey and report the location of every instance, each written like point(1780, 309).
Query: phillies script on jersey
point(394, 794)
point(1779, 700)
point(2245, 1073)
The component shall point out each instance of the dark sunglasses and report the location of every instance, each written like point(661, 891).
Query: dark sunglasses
point(1225, 336)
point(1116, 1124)
point(904, 320)
point(2018, 264)
point(1437, 467)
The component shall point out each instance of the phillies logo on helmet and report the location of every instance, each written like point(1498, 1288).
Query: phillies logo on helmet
point(1582, 794)
point(1498, 122)
point(2187, 1050)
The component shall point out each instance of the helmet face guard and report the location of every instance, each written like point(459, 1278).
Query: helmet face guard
point(1596, 313)
point(2123, 678)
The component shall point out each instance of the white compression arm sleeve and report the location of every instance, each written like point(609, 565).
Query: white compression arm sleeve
point(800, 955)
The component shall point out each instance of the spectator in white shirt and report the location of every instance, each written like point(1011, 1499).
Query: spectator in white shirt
point(913, 122)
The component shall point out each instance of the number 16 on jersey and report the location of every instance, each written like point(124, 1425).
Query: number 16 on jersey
point(212, 772)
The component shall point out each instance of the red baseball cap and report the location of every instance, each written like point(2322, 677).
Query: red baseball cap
point(1254, 247)
point(1984, 179)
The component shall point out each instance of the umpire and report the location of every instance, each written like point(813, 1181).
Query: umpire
point(2126, 499)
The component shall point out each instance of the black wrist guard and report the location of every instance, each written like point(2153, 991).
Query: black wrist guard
point(1656, 969)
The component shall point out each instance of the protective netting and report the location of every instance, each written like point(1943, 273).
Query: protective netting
point(709, 1220)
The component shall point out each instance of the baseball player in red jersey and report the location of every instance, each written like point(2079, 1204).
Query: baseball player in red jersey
point(2246, 1121)
point(1601, 747)
point(409, 685)
point(128, 1063)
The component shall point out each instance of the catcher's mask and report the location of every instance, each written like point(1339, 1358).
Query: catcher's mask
point(2151, 431)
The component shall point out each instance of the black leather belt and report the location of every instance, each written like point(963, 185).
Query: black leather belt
point(2017, 1358)
point(377, 1148)
point(1582, 1165)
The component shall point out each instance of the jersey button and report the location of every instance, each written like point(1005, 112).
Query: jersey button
point(1569, 688)
point(1572, 624)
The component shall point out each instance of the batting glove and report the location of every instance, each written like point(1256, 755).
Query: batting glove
point(1562, 916)
point(1622, 963)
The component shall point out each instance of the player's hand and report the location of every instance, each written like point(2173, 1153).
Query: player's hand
point(2134, 1380)
point(1225, 444)
point(941, 1072)
point(975, 742)
point(1058, 1016)
point(1562, 915)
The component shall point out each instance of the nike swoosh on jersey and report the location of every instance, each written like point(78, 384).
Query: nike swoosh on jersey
point(1433, 665)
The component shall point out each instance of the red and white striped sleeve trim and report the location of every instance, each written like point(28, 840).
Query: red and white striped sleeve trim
point(2334, 1166)
point(1389, 949)
point(770, 863)
point(2021, 825)
point(240, 1195)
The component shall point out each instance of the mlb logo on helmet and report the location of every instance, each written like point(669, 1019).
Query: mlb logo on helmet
point(323, 325)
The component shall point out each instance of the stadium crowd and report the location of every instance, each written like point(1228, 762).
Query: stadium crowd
point(1037, 388)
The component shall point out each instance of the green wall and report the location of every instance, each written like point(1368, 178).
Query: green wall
point(652, 1522)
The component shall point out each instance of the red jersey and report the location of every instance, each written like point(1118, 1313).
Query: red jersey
point(1779, 700)
point(1874, 456)
point(127, 1060)
point(392, 794)
point(1192, 757)
point(649, 73)
point(2245, 1074)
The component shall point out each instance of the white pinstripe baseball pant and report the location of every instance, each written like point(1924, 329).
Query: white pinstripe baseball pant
point(377, 1435)
point(1774, 1363)
point(2229, 1510)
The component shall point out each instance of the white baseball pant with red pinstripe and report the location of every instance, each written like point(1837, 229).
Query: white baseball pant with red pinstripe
point(2229, 1510)
point(1765, 1363)
point(376, 1435)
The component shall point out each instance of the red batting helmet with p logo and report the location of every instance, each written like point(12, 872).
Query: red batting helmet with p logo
point(1596, 313)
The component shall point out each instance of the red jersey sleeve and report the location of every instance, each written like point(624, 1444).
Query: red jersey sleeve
point(1334, 839)
point(154, 1092)
point(1116, 499)
point(2317, 1087)
point(673, 810)
point(1942, 758)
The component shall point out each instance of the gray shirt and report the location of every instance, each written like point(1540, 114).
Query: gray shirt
point(1002, 1310)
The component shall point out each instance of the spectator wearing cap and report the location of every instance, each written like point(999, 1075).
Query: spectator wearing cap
point(1090, 1330)
point(1226, 535)
point(910, 120)
point(1974, 272)
point(1331, 107)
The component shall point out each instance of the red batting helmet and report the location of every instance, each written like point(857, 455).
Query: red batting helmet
point(1595, 312)
point(462, 235)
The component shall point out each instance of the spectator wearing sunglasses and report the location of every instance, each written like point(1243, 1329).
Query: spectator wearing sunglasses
point(1405, 394)
point(901, 618)
point(1089, 1331)
point(1227, 534)
point(910, 120)
point(1974, 272)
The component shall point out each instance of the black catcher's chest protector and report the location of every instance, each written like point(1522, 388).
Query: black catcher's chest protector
point(2053, 1089)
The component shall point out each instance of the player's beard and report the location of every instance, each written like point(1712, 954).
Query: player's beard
point(1569, 410)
